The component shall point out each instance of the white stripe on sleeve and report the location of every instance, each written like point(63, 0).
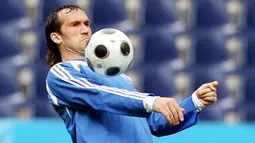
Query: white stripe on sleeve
point(67, 77)
point(52, 96)
point(123, 91)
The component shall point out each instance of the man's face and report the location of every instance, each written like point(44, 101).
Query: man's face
point(75, 31)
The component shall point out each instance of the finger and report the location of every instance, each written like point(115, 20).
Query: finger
point(174, 113)
point(209, 94)
point(166, 114)
point(212, 87)
point(202, 87)
point(215, 83)
point(170, 114)
point(210, 99)
point(179, 112)
point(204, 91)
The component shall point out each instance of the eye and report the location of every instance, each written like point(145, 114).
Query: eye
point(75, 24)
point(87, 23)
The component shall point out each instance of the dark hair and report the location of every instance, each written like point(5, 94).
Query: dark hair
point(53, 24)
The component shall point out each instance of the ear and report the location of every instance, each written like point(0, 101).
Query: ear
point(55, 37)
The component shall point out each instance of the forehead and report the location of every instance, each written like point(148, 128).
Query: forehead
point(66, 15)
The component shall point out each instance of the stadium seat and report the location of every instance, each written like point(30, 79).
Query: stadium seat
point(250, 6)
point(50, 5)
point(249, 99)
point(9, 47)
point(8, 84)
point(236, 45)
point(210, 13)
point(210, 47)
point(11, 10)
point(41, 103)
point(106, 12)
point(109, 13)
point(10, 95)
point(41, 73)
point(155, 13)
point(42, 45)
point(250, 50)
point(249, 86)
point(249, 112)
point(158, 80)
point(159, 46)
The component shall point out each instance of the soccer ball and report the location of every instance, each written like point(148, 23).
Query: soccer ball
point(109, 52)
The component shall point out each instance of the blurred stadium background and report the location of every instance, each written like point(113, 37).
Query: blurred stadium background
point(180, 44)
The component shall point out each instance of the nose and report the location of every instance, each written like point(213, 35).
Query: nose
point(85, 29)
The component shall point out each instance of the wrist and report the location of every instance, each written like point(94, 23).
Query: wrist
point(148, 103)
point(199, 105)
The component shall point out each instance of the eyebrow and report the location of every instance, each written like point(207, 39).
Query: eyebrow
point(77, 21)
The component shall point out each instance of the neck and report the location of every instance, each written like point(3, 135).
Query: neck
point(67, 55)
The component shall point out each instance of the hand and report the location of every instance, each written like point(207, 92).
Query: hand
point(170, 109)
point(207, 93)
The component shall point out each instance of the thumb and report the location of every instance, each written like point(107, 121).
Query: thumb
point(215, 83)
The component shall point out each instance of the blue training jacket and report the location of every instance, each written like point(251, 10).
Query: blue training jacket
point(97, 109)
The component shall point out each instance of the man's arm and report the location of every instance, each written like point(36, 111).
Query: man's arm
point(71, 89)
point(204, 96)
point(160, 127)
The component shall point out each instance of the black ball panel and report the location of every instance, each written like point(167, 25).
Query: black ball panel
point(101, 51)
point(125, 49)
point(112, 71)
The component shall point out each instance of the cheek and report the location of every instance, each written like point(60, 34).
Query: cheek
point(71, 35)
point(73, 32)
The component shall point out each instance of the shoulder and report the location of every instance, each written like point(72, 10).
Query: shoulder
point(66, 69)
point(78, 65)
point(69, 70)
point(70, 66)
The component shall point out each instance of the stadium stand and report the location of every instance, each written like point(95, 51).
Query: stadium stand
point(250, 5)
point(250, 51)
point(159, 46)
point(10, 93)
point(158, 13)
point(162, 84)
point(210, 13)
point(50, 5)
point(11, 10)
point(41, 104)
point(116, 17)
point(210, 47)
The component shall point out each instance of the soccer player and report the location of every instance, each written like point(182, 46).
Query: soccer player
point(97, 109)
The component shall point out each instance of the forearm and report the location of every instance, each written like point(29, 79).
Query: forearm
point(160, 127)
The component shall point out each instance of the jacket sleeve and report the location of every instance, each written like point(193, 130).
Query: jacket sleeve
point(74, 90)
point(160, 127)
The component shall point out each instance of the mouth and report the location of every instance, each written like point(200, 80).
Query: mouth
point(85, 39)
